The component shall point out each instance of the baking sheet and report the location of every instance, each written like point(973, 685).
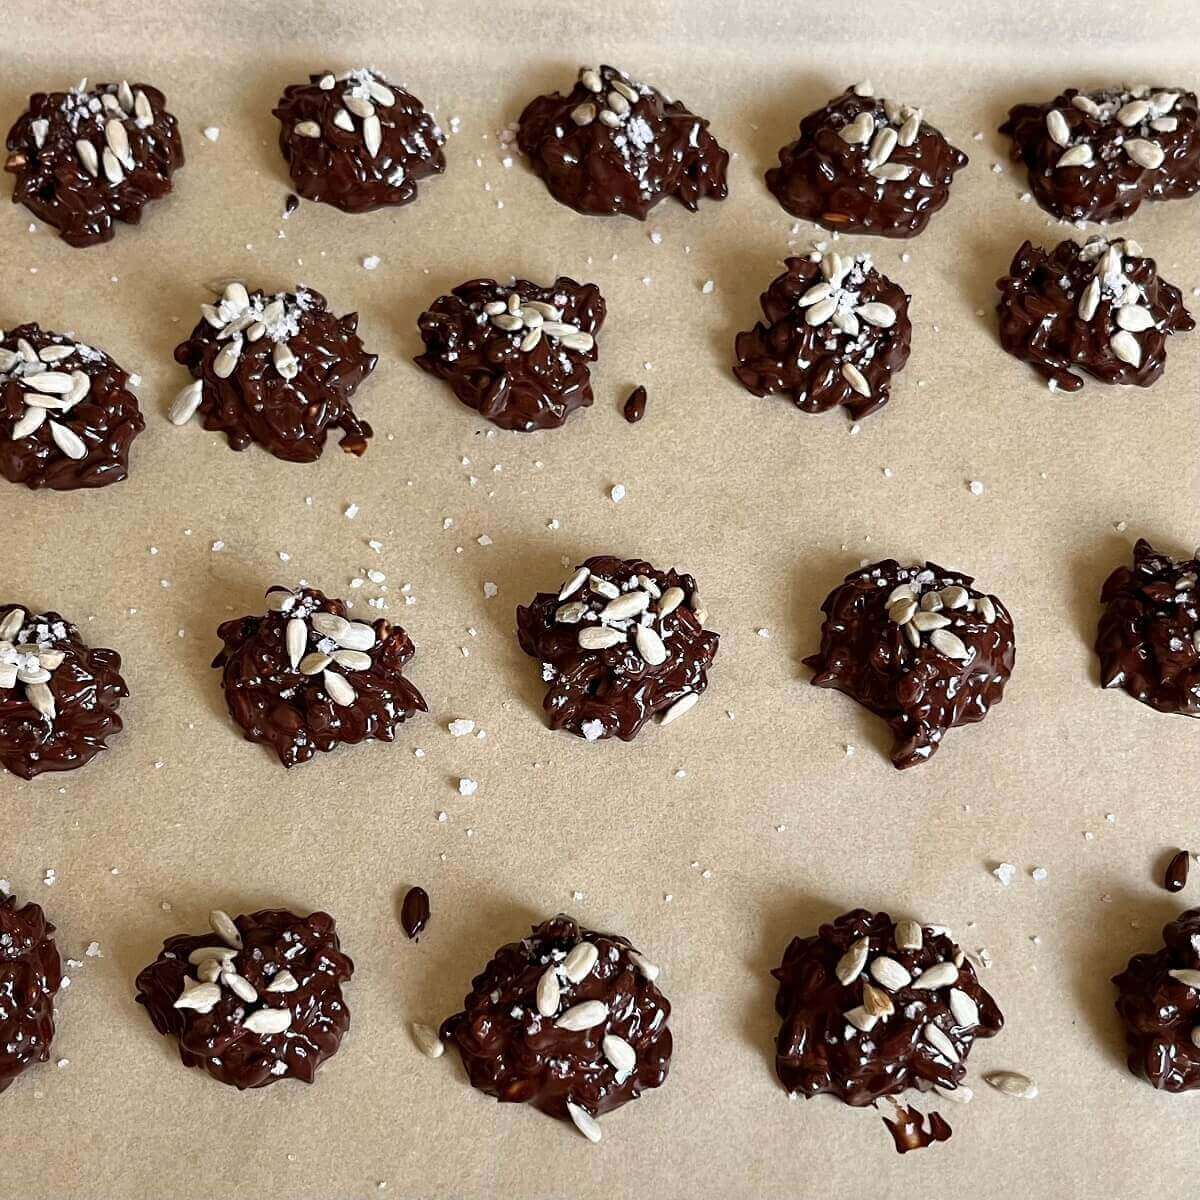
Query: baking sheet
point(711, 843)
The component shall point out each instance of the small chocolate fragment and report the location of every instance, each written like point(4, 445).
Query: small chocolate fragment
point(909, 1132)
point(1095, 156)
point(279, 370)
point(635, 405)
point(568, 1020)
point(305, 677)
point(619, 642)
point(58, 696)
point(87, 158)
point(871, 1007)
point(866, 165)
point(1176, 875)
point(836, 332)
point(918, 646)
point(67, 416)
point(1159, 1003)
point(1099, 308)
point(357, 141)
point(516, 354)
point(612, 145)
point(30, 976)
point(257, 1000)
point(414, 912)
point(290, 205)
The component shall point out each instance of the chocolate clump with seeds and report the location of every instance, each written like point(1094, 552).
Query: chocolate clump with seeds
point(871, 1007)
point(918, 646)
point(866, 165)
point(568, 1020)
point(67, 416)
point(1159, 1004)
point(30, 976)
point(517, 353)
point(256, 1000)
point(357, 141)
point(89, 157)
point(58, 696)
point(279, 370)
point(1148, 639)
point(306, 676)
point(1099, 308)
point(614, 145)
point(836, 332)
point(619, 642)
point(1096, 155)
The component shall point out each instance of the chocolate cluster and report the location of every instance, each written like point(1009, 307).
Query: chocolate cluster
point(30, 976)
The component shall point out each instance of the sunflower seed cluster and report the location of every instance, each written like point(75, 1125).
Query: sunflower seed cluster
point(216, 968)
point(54, 383)
point(28, 657)
point(614, 97)
point(529, 321)
point(1139, 112)
point(878, 133)
point(1128, 311)
point(100, 118)
point(926, 610)
point(363, 91)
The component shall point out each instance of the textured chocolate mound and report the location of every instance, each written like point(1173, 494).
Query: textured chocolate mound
point(613, 145)
point(872, 1006)
point(357, 141)
point(566, 1020)
point(278, 370)
point(866, 165)
point(618, 643)
point(518, 355)
point(58, 696)
point(86, 158)
point(67, 416)
point(1098, 308)
point(257, 1000)
point(918, 646)
point(30, 975)
point(836, 332)
point(1095, 156)
point(305, 677)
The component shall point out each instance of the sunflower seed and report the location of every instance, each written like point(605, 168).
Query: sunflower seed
point(858, 132)
point(42, 699)
point(1186, 976)
point(81, 384)
point(531, 340)
point(847, 323)
point(890, 172)
point(1077, 156)
point(338, 690)
point(570, 613)
point(427, 1040)
point(11, 625)
point(582, 342)
point(950, 645)
point(185, 404)
point(960, 1094)
point(372, 135)
point(584, 1122)
point(125, 95)
point(343, 120)
point(32, 675)
point(1012, 1083)
point(307, 129)
point(381, 94)
point(88, 157)
point(1086, 104)
point(889, 973)
point(314, 664)
point(602, 587)
point(280, 599)
point(940, 975)
point(937, 1037)
point(672, 598)
point(909, 935)
point(142, 110)
point(268, 1020)
point(986, 608)
point(876, 313)
point(296, 640)
point(118, 142)
point(620, 1054)
point(209, 971)
point(598, 637)
point(882, 145)
point(283, 981)
point(862, 1020)
point(902, 611)
point(645, 966)
point(1089, 301)
point(68, 441)
point(580, 961)
point(650, 646)
point(112, 167)
point(223, 925)
point(1125, 346)
point(1145, 153)
point(356, 636)
point(225, 361)
point(1164, 124)
point(850, 966)
point(684, 704)
point(911, 129)
point(202, 997)
point(627, 605)
point(531, 317)
point(223, 954)
point(834, 268)
point(285, 361)
point(358, 106)
point(590, 80)
point(39, 129)
point(609, 118)
point(38, 400)
point(927, 622)
point(1164, 101)
point(352, 660)
point(54, 383)
point(955, 596)
point(329, 624)
point(619, 85)
point(1133, 113)
point(963, 1009)
point(583, 1016)
point(1057, 128)
point(548, 993)
point(876, 1001)
point(547, 311)
point(617, 103)
point(584, 114)
point(240, 986)
point(1134, 317)
point(508, 322)
point(326, 83)
point(913, 635)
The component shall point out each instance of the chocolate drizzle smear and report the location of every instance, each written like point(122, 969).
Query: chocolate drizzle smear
point(910, 1132)
point(30, 976)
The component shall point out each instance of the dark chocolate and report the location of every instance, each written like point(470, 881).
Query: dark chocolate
point(635, 405)
point(414, 912)
point(619, 642)
point(67, 416)
point(909, 1131)
point(1095, 156)
point(30, 975)
point(566, 1019)
point(518, 354)
point(279, 370)
point(87, 158)
point(58, 696)
point(257, 1000)
point(866, 165)
point(357, 141)
point(306, 677)
point(836, 332)
point(613, 145)
point(1176, 875)
point(871, 1007)
point(1099, 308)
point(1149, 634)
point(918, 646)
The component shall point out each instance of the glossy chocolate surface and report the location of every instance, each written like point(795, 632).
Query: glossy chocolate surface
point(279, 370)
point(357, 141)
point(635, 405)
point(836, 332)
point(58, 696)
point(71, 410)
point(30, 975)
point(910, 1132)
point(132, 150)
point(658, 659)
point(519, 355)
point(914, 1033)
point(918, 646)
point(290, 963)
point(1149, 634)
point(522, 1053)
point(414, 912)
point(613, 145)
point(306, 676)
point(1098, 308)
point(866, 165)
point(1095, 156)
